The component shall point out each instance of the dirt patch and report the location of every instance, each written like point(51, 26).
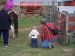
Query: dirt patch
point(68, 51)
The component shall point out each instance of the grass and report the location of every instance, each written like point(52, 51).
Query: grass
point(20, 46)
point(28, 22)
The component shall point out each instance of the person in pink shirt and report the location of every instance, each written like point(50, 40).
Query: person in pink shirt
point(9, 5)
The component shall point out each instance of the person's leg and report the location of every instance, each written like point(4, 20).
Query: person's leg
point(53, 43)
point(0, 33)
point(5, 37)
point(36, 42)
point(32, 42)
point(45, 44)
point(50, 44)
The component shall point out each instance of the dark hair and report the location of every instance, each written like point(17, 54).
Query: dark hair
point(43, 21)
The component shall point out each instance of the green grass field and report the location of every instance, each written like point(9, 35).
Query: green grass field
point(28, 22)
point(20, 45)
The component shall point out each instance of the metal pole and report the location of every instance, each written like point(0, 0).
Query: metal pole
point(67, 24)
point(68, 37)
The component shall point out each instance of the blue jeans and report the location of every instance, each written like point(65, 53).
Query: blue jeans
point(34, 42)
point(48, 43)
point(45, 44)
point(5, 34)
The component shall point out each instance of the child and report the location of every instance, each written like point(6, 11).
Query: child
point(34, 37)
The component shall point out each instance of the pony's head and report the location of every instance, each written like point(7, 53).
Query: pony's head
point(12, 14)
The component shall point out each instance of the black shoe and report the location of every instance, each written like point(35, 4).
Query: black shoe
point(52, 47)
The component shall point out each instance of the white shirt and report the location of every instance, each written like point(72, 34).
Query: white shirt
point(34, 33)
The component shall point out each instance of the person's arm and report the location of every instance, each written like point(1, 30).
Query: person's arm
point(37, 32)
point(30, 34)
point(57, 27)
point(42, 33)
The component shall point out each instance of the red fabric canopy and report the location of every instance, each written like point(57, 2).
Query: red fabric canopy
point(29, 4)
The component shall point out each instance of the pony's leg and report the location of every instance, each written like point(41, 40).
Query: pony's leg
point(16, 32)
point(16, 28)
point(12, 30)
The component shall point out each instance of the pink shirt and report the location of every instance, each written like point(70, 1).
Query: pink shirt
point(9, 5)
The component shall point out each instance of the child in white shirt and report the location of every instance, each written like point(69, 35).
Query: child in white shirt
point(34, 37)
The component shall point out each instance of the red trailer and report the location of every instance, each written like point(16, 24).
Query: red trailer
point(29, 7)
point(69, 3)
